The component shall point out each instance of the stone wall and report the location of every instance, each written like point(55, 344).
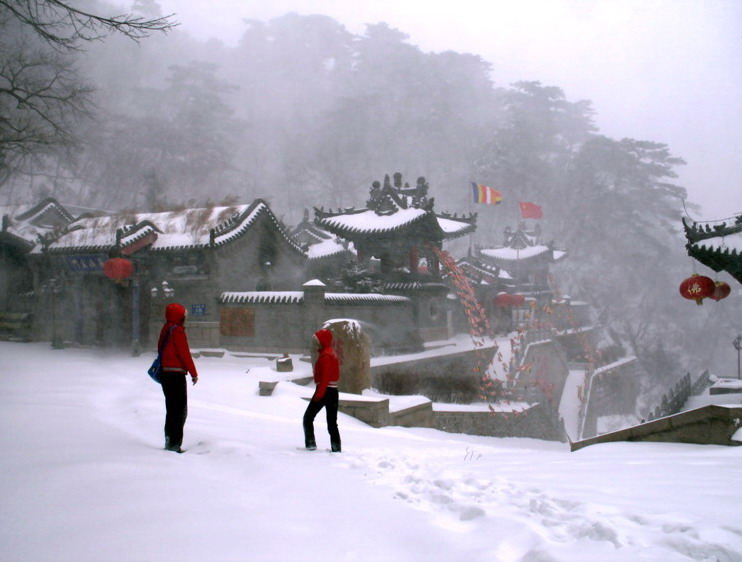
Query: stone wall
point(537, 422)
point(614, 390)
point(285, 321)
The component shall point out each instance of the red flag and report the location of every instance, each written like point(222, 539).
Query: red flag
point(530, 210)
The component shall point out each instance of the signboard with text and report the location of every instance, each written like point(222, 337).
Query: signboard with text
point(85, 264)
point(198, 310)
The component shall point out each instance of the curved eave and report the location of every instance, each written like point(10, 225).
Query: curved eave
point(453, 228)
point(16, 241)
point(249, 218)
point(468, 229)
point(369, 223)
point(340, 251)
point(531, 253)
point(726, 259)
point(45, 207)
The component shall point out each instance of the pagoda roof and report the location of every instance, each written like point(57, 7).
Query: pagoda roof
point(366, 221)
point(393, 210)
point(328, 249)
point(169, 231)
point(306, 232)
point(717, 244)
point(482, 272)
point(506, 254)
point(318, 243)
point(521, 246)
point(25, 227)
point(47, 212)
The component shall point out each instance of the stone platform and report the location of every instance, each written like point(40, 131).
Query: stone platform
point(709, 425)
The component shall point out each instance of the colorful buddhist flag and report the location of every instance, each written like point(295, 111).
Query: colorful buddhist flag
point(484, 194)
point(530, 210)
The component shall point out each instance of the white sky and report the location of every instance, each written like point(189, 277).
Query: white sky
point(662, 70)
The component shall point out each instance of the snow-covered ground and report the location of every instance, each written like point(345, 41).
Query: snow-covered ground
point(84, 477)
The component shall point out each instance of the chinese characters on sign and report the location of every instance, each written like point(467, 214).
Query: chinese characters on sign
point(84, 264)
point(198, 310)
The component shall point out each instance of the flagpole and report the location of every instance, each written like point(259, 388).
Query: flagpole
point(471, 234)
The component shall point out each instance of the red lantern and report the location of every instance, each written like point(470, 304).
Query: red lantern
point(721, 291)
point(697, 287)
point(518, 299)
point(118, 269)
point(504, 300)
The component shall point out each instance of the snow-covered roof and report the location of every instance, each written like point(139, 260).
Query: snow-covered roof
point(295, 297)
point(48, 212)
point(453, 226)
point(328, 248)
point(482, 271)
point(403, 286)
point(363, 298)
point(392, 209)
point(513, 254)
point(166, 231)
point(370, 222)
point(262, 297)
point(27, 225)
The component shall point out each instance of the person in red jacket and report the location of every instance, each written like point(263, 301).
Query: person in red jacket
point(326, 376)
point(176, 363)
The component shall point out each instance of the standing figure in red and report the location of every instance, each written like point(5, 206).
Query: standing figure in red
point(326, 376)
point(176, 363)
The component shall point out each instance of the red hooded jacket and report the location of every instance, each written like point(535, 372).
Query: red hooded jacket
point(327, 367)
point(176, 357)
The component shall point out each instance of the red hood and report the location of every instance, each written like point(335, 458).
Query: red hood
point(324, 337)
point(175, 313)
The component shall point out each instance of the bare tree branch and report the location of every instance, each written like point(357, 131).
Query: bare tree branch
point(63, 26)
point(43, 97)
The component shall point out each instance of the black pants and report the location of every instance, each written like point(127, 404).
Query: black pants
point(330, 403)
point(176, 405)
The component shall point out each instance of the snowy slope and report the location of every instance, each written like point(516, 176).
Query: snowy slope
point(85, 478)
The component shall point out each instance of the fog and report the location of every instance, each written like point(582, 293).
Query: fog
point(584, 108)
point(668, 70)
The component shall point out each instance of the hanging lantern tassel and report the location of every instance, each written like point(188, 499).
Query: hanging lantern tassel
point(697, 287)
point(721, 291)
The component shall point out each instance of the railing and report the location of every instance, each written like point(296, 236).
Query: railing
point(674, 400)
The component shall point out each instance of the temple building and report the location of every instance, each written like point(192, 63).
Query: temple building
point(399, 227)
point(397, 237)
point(326, 253)
point(526, 259)
point(247, 281)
